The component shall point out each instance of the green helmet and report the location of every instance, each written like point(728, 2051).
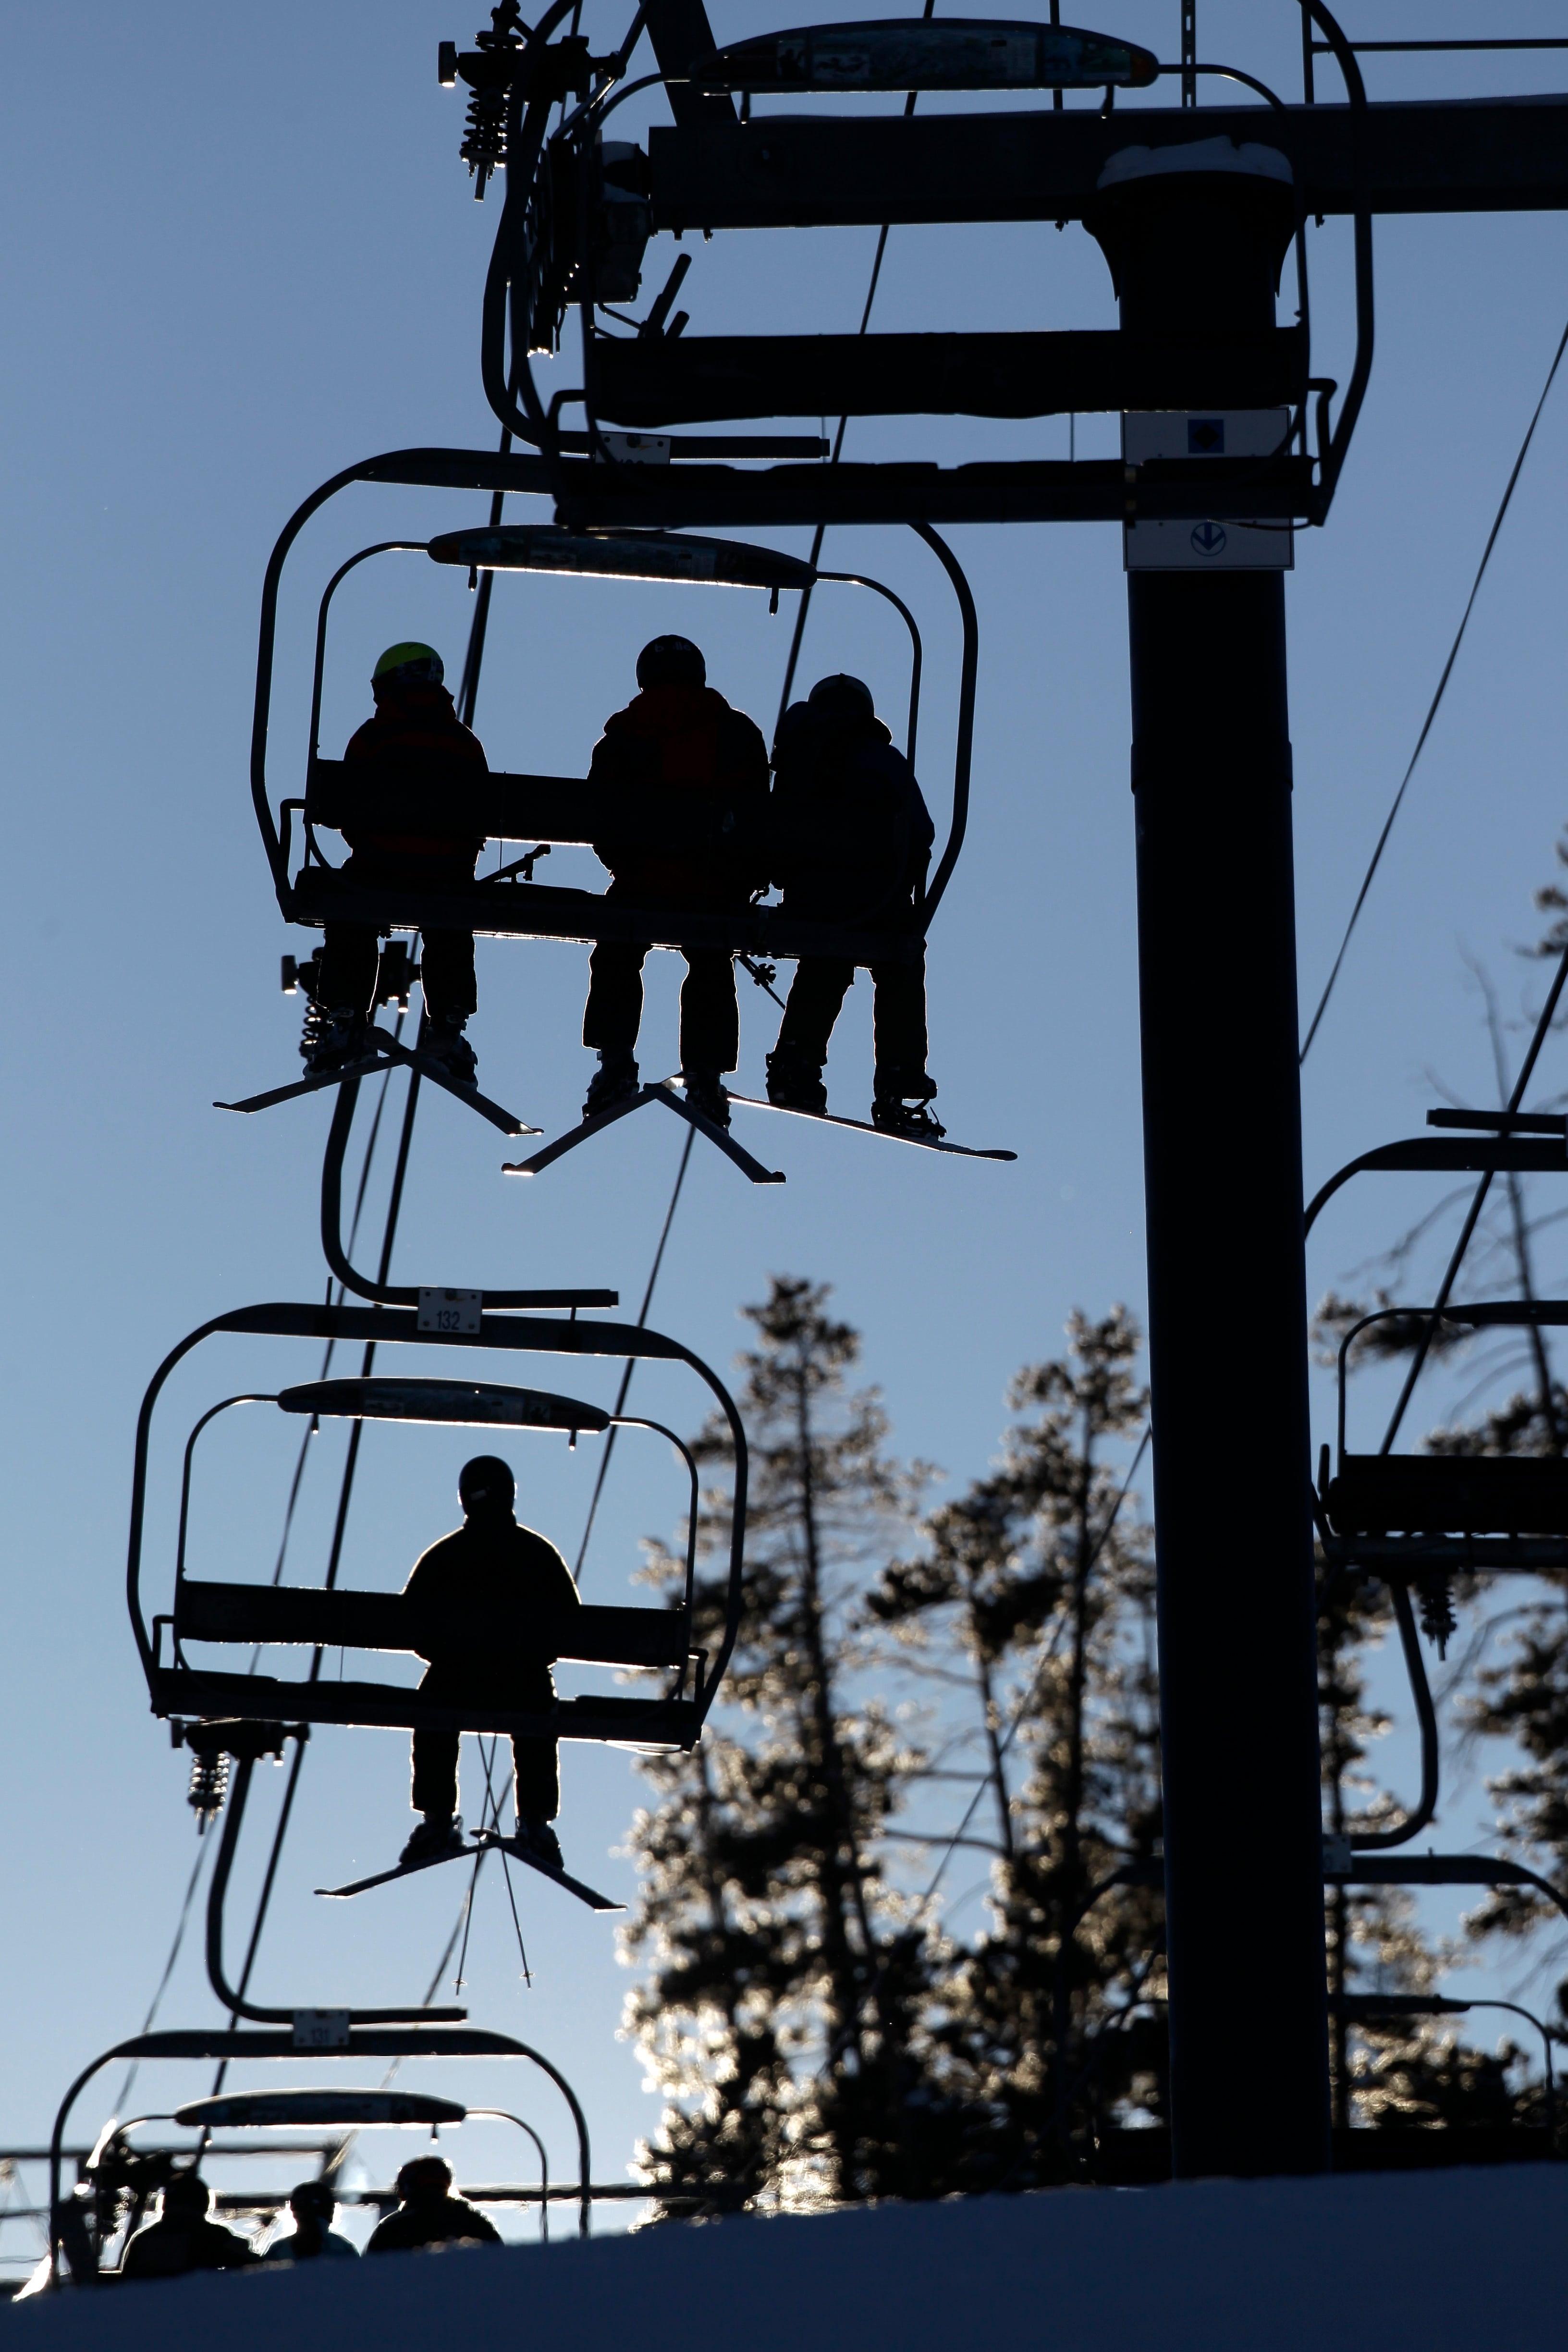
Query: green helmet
point(409, 665)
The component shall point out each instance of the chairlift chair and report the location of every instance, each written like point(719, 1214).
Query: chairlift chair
point(582, 206)
point(1403, 1514)
point(1449, 1510)
point(207, 1610)
point(552, 810)
point(345, 2108)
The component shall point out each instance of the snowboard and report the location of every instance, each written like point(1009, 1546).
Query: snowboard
point(864, 1127)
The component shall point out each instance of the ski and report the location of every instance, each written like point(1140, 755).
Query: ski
point(405, 1869)
point(389, 1054)
point(489, 1841)
point(865, 1127)
point(660, 1091)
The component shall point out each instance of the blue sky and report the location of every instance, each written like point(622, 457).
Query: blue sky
point(241, 252)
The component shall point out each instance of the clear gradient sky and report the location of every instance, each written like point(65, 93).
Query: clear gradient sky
point(240, 252)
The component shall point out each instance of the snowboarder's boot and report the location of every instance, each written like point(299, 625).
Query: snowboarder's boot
point(793, 1083)
point(436, 1834)
point(614, 1081)
point(900, 1105)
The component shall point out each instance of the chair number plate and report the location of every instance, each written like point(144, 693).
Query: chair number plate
point(321, 2029)
point(450, 1310)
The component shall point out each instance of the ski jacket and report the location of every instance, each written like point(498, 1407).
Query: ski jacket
point(331, 2245)
point(709, 765)
point(432, 2222)
point(491, 1596)
point(849, 833)
point(416, 739)
point(170, 2248)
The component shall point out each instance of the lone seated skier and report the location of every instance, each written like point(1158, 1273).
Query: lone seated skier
point(682, 738)
point(491, 1597)
point(851, 836)
point(415, 738)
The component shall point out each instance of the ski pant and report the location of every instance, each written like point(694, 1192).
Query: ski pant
point(710, 1015)
point(533, 1761)
point(898, 1012)
point(350, 953)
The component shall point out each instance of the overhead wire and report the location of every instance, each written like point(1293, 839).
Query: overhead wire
point(624, 1389)
point(820, 532)
point(203, 1849)
point(1436, 704)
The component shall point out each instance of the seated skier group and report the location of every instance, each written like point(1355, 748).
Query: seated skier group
point(685, 822)
point(183, 2239)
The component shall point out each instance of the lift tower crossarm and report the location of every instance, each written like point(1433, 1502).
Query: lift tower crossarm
point(1463, 155)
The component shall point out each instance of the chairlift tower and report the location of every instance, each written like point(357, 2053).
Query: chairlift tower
point(1195, 206)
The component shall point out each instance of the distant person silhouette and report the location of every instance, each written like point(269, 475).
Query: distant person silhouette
point(182, 2239)
point(429, 2214)
point(314, 2208)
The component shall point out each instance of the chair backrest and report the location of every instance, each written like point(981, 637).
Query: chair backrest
point(376, 797)
point(303, 1617)
point(392, 799)
point(1443, 1494)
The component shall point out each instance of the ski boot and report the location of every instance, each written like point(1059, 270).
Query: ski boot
point(705, 1092)
point(535, 1841)
point(614, 1081)
point(437, 1835)
point(900, 1107)
point(334, 1037)
point(793, 1083)
point(444, 1042)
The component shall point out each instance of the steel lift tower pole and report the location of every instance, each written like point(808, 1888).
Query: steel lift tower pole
point(1195, 249)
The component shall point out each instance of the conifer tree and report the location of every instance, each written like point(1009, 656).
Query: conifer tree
point(782, 2015)
point(1048, 1589)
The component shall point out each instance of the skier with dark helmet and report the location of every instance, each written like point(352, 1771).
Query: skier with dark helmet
point(493, 1602)
point(680, 740)
point(850, 837)
point(415, 738)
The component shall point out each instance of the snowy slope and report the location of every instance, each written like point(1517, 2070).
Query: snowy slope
point(1437, 2259)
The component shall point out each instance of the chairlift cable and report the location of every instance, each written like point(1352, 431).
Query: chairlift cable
point(276, 1579)
point(1020, 1708)
point(1472, 1215)
point(169, 1964)
point(1436, 700)
point(470, 689)
point(313, 1426)
point(624, 1387)
point(820, 532)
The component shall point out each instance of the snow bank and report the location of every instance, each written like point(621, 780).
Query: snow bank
point(1434, 2259)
